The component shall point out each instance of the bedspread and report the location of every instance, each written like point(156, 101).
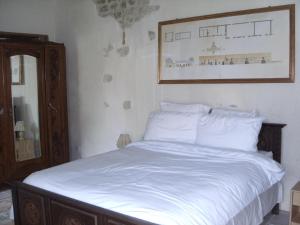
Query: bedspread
point(166, 183)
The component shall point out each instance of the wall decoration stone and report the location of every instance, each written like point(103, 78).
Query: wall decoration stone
point(127, 105)
point(125, 12)
point(123, 51)
point(107, 78)
point(108, 49)
point(151, 35)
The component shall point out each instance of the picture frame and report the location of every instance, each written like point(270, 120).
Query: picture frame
point(17, 70)
point(231, 47)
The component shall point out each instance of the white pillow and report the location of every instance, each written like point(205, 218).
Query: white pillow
point(234, 112)
point(172, 126)
point(179, 107)
point(229, 132)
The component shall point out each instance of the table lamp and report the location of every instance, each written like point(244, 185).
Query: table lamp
point(123, 140)
point(20, 128)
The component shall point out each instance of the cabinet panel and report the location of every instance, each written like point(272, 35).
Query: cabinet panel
point(3, 120)
point(62, 215)
point(32, 208)
point(56, 104)
point(113, 221)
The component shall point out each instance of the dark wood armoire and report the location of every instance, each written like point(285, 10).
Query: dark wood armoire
point(33, 105)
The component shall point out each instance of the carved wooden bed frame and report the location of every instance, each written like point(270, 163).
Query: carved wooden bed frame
point(34, 206)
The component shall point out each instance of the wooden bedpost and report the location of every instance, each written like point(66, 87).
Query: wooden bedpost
point(270, 140)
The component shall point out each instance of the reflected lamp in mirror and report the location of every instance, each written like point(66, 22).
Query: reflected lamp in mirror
point(123, 140)
point(20, 129)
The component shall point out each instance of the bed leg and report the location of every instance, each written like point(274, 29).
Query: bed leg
point(275, 210)
point(15, 201)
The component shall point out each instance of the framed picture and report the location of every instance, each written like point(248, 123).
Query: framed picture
point(17, 69)
point(249, 46)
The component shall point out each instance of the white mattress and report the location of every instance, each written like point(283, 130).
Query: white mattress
point(171, 183)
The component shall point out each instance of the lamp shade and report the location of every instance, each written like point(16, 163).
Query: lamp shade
point(123, 140)
point(20, 127)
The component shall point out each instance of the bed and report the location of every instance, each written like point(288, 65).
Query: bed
point(72, 195)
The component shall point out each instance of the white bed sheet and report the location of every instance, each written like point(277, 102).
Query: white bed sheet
point(259, 207)
point(169, 183)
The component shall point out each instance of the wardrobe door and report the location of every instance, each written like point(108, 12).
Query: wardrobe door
point(24, 78)
point(56, 103)
point(3, 121)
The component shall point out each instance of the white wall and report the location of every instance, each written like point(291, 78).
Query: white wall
point(28, 16)
point(94, 127)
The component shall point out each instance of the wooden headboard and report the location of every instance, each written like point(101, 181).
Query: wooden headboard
point(270, 139)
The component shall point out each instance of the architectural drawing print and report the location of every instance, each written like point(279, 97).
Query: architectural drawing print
point(261, 28)
point(254, 28)
point(213, 31)
point(169, 37)
point(183, 35)
point(234, 59)
point(239, 46)
point(170, 63)
point(213, 49)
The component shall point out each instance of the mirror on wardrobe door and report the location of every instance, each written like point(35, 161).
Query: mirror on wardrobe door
point(24, 88)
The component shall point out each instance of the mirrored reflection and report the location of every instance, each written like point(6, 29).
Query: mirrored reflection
point(25, 107)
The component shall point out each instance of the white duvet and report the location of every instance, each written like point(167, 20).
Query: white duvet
point(166, 183)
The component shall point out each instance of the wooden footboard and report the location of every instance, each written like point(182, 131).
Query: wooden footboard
point(34, 206)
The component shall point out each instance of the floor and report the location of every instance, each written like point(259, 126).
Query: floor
point(6, 202)
point(5, 205)
point(281, 219)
